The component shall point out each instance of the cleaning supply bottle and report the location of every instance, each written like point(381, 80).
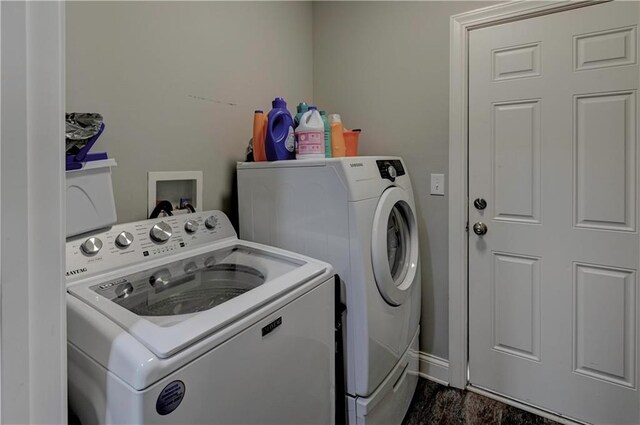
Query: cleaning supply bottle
point(279, 142)
point(310, 135)
point(258, 136)
point(351, 141)
point(327, 134)
point(338, 148)
point(301, 108)
point(265, 122)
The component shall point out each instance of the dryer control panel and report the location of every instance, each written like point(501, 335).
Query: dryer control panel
point(130, 243)
point(390, 169)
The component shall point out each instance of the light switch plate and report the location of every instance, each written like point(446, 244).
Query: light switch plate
point(437, 184)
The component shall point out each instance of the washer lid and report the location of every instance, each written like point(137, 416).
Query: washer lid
point(173, 305)
point(394, 249)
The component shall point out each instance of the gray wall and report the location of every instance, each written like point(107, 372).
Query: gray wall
point(177, 83)
point(385, 67)
point(164, 75)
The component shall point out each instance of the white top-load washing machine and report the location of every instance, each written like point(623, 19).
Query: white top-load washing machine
point(176, 321)
point(357, 213)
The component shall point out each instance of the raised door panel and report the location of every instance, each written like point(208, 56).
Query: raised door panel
point(517, 62)
point(605, 316)
point(605, 161)
point(516, 161)
point(516, 305)
point(605, 49)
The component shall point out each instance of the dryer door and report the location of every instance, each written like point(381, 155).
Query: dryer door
point(394, 250)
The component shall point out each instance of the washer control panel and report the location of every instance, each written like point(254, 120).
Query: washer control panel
point(125, 244)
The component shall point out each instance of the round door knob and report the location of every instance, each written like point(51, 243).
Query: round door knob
point(91, 246)
point(124, 239)
point(211, 222)
point(160, 232)
point(480, 203)
point(191, 226)
point(480, 228)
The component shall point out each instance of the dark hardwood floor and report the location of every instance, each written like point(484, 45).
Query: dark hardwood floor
point(436, 404)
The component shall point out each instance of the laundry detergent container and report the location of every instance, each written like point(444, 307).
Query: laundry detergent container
point(90, 203)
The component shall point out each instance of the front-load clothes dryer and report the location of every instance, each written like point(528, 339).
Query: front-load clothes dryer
point(176, 321)
point(358, 214)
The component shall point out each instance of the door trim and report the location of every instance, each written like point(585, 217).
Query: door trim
point(460, 25)
point(33, 327)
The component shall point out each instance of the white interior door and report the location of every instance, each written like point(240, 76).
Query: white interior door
point(553, 298)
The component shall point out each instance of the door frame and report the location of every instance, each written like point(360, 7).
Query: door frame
point(33, 357)
point(460, 25)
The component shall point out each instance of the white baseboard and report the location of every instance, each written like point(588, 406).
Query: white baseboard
point(434, 368)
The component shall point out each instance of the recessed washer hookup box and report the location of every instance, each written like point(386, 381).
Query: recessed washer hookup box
point(90, 203)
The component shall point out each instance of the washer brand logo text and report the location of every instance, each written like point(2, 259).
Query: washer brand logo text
point(356, 164)
point(77, 271)
point(271, 326)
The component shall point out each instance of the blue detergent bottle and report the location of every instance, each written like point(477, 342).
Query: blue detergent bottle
point(280, 139)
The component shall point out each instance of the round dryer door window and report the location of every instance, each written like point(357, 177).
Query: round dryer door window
point(394, 251)
point(398, 244)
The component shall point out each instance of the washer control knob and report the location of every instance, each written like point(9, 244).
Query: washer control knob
point(160, 279)
point(191, 226)
point(124, 239)
point(91, 246)
point(124, 290)
point(160, 232)
point(190, 268)
point(211, 222)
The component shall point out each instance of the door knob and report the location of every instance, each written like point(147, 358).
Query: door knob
point(480, 228)
point(480, 203)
